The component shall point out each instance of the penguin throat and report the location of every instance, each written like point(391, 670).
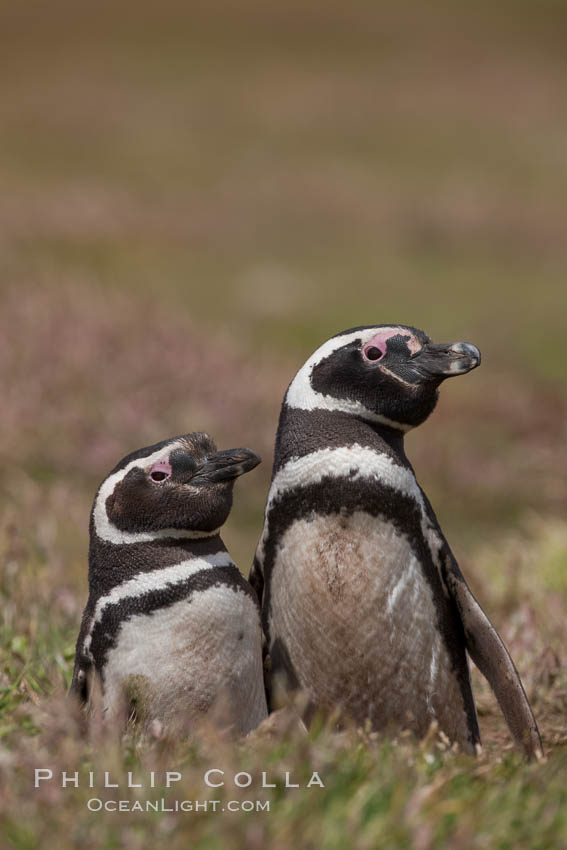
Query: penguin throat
point(393, 437)
point(302, 396)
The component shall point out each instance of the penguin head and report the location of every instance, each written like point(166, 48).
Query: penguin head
point(388, 374)
point(181, 487)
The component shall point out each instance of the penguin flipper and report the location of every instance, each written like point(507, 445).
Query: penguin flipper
point(487, 650)
point(80, 687)
point(256, 579)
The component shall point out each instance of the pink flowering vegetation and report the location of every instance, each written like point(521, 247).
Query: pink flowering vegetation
point(88, 375)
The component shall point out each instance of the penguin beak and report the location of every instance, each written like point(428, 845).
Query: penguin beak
point(227, 465)
point(446, 360)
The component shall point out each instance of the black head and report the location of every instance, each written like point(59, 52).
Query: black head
point(180, 487)
point(388, 374)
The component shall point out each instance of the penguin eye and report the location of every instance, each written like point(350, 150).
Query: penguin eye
point(373, 353)
point(160, 471)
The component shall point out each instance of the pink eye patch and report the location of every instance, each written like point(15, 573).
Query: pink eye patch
point(375, 349)
point(160, 470)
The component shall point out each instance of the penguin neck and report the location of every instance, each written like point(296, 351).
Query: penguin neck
point(392, 437)
point(302, 432)
point(111, 564)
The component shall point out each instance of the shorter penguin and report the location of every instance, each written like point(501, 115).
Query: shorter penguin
point(171, 629)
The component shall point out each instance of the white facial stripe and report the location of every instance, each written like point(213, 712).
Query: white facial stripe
point(156, 580)
point(302, 396)
point(106, 530)
point(356, 463)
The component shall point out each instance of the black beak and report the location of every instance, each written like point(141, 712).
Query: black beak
point(447, 360)
point(227, 465)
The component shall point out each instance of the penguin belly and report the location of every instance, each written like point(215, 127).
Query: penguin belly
point(356, 620)
point(199, 656)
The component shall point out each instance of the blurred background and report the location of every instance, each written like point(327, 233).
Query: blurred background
point(195, 195)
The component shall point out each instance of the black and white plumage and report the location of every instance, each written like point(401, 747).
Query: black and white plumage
point(364, 606)
point(171, 628)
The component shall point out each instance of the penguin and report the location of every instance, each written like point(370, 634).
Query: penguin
point(364, 607)
point(171, 631)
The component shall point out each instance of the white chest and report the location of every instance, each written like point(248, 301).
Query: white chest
point(178, 661)
point(357, 615)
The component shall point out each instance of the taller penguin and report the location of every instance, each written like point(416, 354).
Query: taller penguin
point(364, 606)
